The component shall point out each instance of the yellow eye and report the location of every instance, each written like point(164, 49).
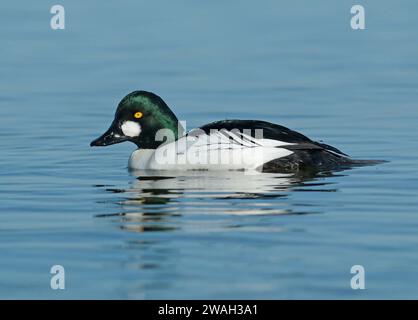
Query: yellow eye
point(138, 115)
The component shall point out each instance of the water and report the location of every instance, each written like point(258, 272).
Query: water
point(202, 235)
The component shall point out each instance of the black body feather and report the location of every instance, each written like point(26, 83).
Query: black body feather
point(307, 154)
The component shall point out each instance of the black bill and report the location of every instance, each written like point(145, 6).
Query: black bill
point(111, 136)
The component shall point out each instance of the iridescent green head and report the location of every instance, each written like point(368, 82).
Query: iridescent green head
point(140, 118)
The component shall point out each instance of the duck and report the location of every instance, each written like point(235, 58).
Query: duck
point(144, 119)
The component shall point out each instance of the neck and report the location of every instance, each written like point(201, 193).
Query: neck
point(153, 137)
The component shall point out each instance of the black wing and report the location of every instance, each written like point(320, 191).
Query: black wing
point(271, 131)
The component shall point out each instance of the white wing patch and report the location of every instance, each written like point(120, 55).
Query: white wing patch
point(219, 150)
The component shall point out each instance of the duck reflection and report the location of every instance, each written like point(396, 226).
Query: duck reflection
point(155, 202)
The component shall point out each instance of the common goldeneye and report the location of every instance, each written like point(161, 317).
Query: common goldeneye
point(145, 119)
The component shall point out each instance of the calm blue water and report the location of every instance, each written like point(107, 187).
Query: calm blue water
point(202, 235)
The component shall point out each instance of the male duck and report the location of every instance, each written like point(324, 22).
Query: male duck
point(145, 119)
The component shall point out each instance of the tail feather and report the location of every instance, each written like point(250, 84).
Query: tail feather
point(366, 162)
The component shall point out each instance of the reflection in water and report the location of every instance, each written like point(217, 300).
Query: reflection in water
point(155, 202)
point(170, 219)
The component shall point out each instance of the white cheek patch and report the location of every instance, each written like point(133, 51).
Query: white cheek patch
point(131, 129)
